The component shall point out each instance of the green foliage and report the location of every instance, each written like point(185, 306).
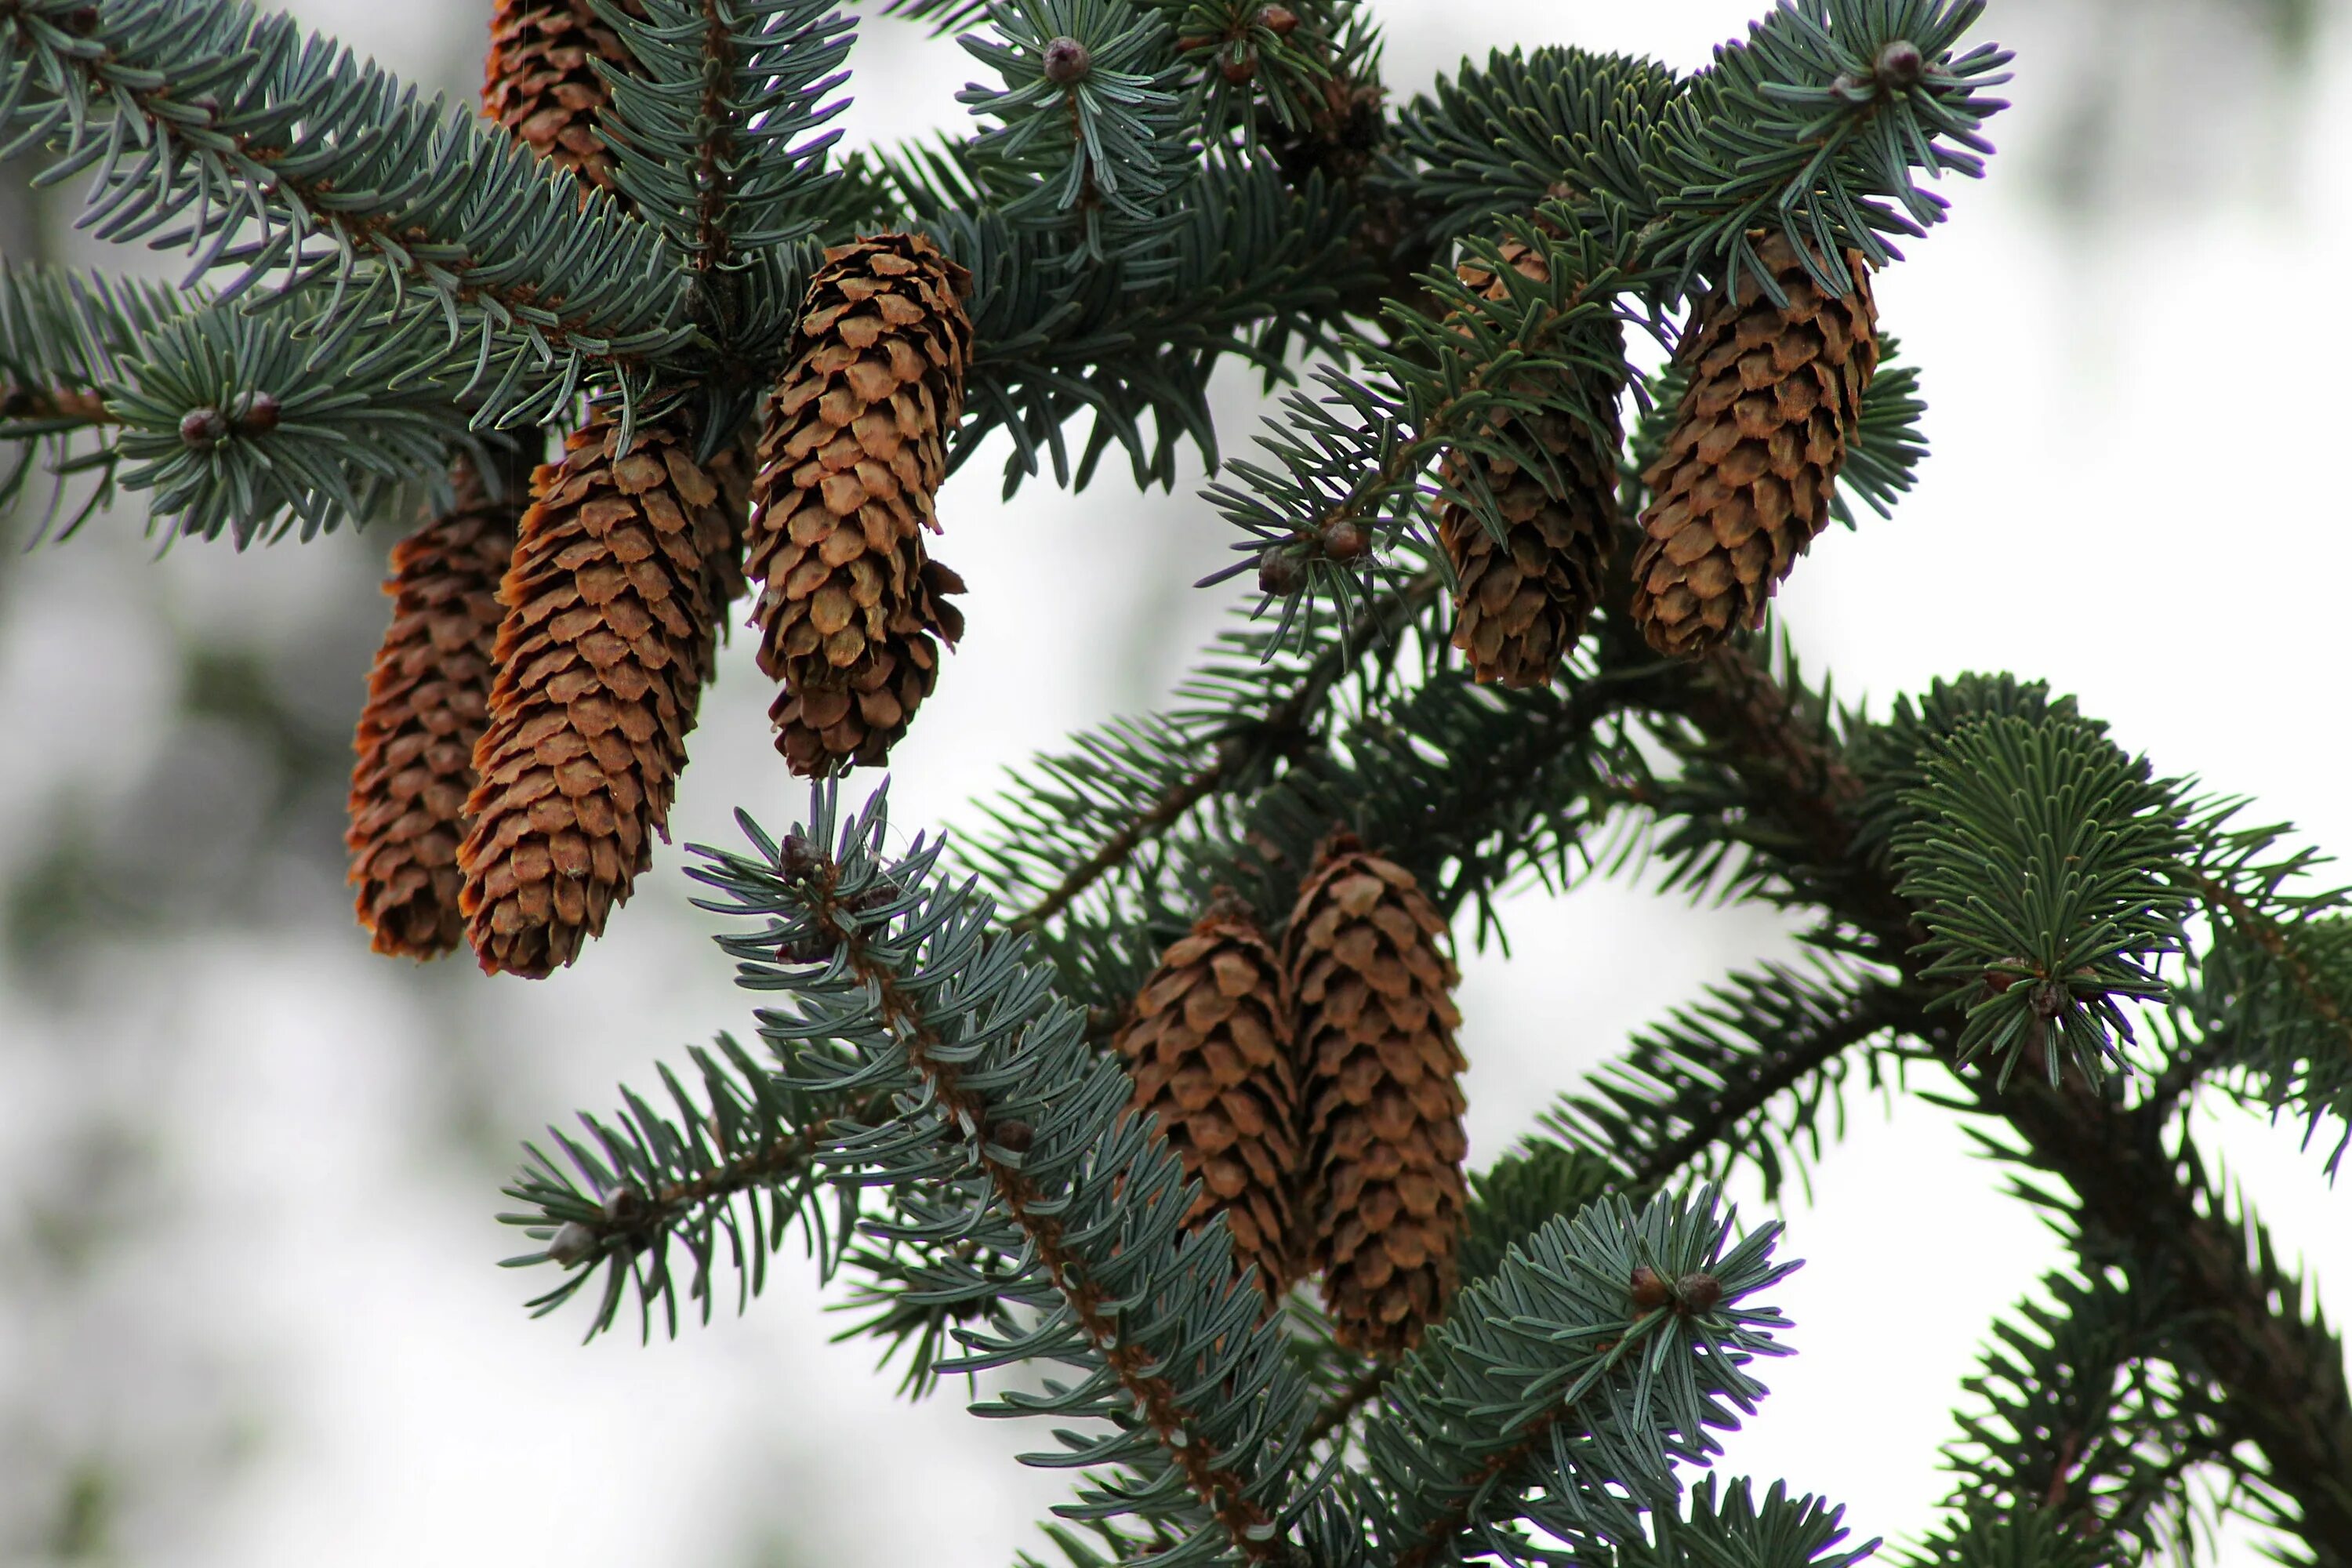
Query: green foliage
point(2025, 1537)
point(1523, 1192)
point(1745, 1079)
point(286, 158)
point(1551, 1401)
point(64, 334)
point(931, 1039)
point(735, 1163)
point(2268, 999)
point(1552, 124)
point(1815, 124)
point(1734, 1531)
point(717, 126)
point(1096, 148)
point(2096, 1412)
point(2044, 862)
point(1891, 756)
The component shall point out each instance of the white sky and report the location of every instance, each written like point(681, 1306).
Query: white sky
point(2133, 389)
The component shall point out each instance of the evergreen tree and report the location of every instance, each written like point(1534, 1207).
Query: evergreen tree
point(1510, 617)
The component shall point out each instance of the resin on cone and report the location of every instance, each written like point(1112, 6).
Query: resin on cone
point(610, 632)
point(1744, 484)
point(538, 82)
point(851, 609)
point(427, 703)
point(1210, 1048)
point(1520, 602)
point(1384, 1193)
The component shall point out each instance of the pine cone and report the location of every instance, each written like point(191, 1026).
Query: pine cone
point(425, 709)
point(853, 451)
point(537, 81)
point(610, 633)
point(1744, 483)
point(1209, 1043)
point(1519, 604)
point(1385, 1194)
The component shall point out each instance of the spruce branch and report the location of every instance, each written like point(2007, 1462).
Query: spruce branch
point(284, 156)
point(1008, 1142)
point(1551, 1398)
point(2284, 1372)
point(64, 337)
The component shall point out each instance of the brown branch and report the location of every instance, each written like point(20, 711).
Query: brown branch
point(1353, 1395)
point(2284, 1377)
point(1222, 1491)
point(2265, 933)
point(65, 405)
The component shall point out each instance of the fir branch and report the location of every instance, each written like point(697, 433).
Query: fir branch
point(64, 337)
point(285, 156)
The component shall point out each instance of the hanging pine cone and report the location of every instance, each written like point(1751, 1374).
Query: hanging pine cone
point(1519, 603)
point(538, 83)
point(426, 706)
point(1744, 483)
point(1384, 1189)
point(852, 452)
point(1209, 1043)
point(610, 633)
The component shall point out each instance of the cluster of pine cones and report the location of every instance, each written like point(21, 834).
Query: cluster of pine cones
point(1315, 1092)
point(527, 714)
point(1742, 488)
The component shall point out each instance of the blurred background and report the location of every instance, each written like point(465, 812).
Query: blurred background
point(250, 1307)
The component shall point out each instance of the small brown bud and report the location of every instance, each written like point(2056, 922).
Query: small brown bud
point(253, 413)
point(1280, 575)
point(2049, 1000)
point(1013, 1137)
point(1649, 1290)
point(1698, 1292)
point(1900, 64)
point(203, 427)
point(1279, 20)
point(1345, 539)
point(571, 1243)
point(1239, 68)
point(624, 1203)
point(793, 856)
point(1067, 61)
point(2006, 973)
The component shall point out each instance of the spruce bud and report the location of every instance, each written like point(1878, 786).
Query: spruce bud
point(253, 413)
point(1699, 1292)
point(571, 1243)
point(1239, 68)
point(1345, 539)
point(1067, 61)
point(203, 427)
point(1280, 575)
point(1012, 1136)
point(1900, 64)
point(1649, 1292)
point(1279, 20)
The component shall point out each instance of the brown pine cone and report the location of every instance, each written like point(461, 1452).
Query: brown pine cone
point(538, 83)
point(851, 455)
point(610, 633)
point(1520, 603)
point(1209, 1043)
point(1384, 1191)
point(1744, 484)
point(426, 706)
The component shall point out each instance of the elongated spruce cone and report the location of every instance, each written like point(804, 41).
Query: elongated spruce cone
point(850, 459)
point(1744, 484)
point(610, 634)
point(1520, 603)
point(1210, 1047)
point(1385, 1195)
point(538, 83)
point(427, 702)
